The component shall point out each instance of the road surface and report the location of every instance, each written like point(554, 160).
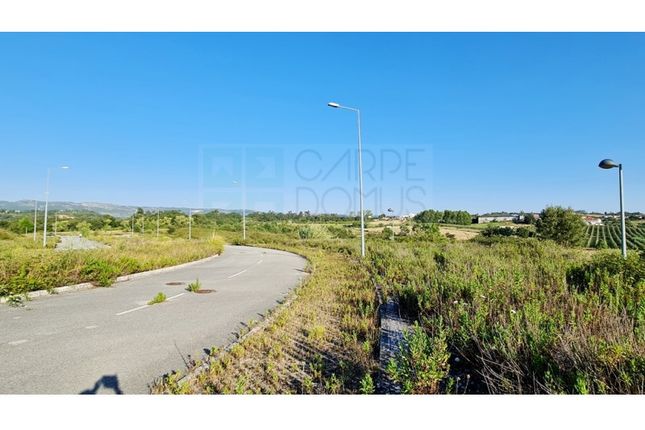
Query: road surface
point(77, 242)
point(107, 340)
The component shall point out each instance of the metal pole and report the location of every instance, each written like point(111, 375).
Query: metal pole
point(35, 217)
point(55, 223)
point(49, 171)
point(143, 223)
point(190, 224)
point(622, 211)
point(157, 223)
point(132, 226)
point(244, 217)
point(360, 179)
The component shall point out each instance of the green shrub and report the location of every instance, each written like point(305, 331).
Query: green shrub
point(103, 273)
point(421, 364)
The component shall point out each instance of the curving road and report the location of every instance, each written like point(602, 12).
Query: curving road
point(107, 340)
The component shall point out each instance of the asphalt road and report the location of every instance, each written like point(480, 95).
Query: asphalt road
point(107, 340)
point(77, 242)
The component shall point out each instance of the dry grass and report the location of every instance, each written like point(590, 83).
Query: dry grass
point(457, 233)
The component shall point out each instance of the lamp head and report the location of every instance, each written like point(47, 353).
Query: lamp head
point(333, 105)
point(607, 164)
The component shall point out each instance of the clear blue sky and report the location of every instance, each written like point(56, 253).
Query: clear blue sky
point(498, 121)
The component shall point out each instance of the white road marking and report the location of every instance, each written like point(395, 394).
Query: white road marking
point(237, 274)
point(18, 342)
point(146, 306)
point(90, 327)
point(132, 310)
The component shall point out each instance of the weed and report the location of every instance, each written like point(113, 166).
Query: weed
point(16, 301)
point(159, 298)
point(367, 385)
point(194, 287)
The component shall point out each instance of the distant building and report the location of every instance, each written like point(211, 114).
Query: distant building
point(592, 220)
point(497, 218)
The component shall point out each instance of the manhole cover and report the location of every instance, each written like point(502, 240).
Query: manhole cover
point(175, 283)
point(204, 291)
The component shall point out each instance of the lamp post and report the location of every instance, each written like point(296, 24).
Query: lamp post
point(610, 164)
point(360, 168)
point(49, 173)
point(243, 210)
point(35, 217)
point(157, 223)
point(190, 222)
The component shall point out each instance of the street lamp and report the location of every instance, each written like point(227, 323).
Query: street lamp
point(360, 168)
point(190, 222)
point(243, 210)
point(49, 173)
point(35, 217)
point(610, 164)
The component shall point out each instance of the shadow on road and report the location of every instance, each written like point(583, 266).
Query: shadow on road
point(110, 382)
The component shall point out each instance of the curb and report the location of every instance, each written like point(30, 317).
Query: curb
point(123, 278)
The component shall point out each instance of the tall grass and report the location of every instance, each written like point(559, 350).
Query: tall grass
point(24, 267)
point(518, 316)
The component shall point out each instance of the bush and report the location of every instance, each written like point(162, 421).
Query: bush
point(564, 226)
point(100, 272)
point(422, 362)
point(387, 233)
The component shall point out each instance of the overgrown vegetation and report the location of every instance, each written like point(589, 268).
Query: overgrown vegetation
point(514, 310)
point(516, 316)
point(25, 267)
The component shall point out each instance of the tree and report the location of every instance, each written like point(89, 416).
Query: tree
point(84, 227)
point(23, 225)
point(561, 225)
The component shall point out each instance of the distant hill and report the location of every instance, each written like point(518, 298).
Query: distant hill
point(119, 211)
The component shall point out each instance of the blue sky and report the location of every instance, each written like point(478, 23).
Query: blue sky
point(483, 121)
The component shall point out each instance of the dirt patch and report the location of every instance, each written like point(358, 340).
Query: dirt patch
point(459, 234)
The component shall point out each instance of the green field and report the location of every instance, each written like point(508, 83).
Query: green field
point(608, 236)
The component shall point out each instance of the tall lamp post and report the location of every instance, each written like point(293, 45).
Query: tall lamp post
point(190, 222)
point(243, 209)
point(49, 173)
point(360, 168)
point(610, 164)
point(35, 217)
